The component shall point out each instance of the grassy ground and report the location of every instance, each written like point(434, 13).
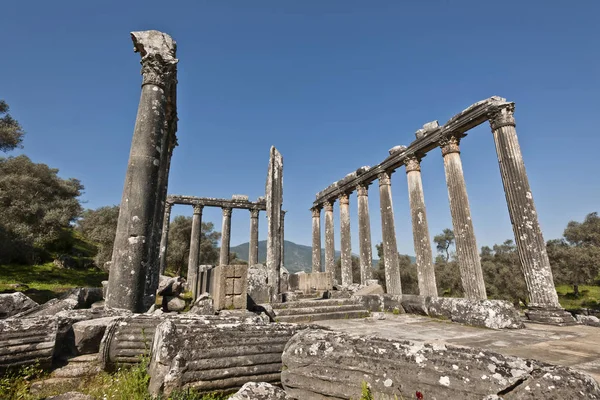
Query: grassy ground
point(46, 281)
point(589, 297)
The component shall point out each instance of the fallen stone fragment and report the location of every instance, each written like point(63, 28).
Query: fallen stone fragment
point(14, 303)
point(494, 314)
point(370, 289)
point(260, 391)
point(88, 334)
point(173, 304)
point(588, 320)
point(71, 396)
point(27, 341)
point(170, 286)
point(73, 299)
point(203, 305)
point(324, 364)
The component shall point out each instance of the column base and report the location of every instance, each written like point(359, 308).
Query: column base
point(550, 316)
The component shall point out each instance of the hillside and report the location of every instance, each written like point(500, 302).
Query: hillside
point(297, 257)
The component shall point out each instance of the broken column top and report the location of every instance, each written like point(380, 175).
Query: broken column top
point(158, 56)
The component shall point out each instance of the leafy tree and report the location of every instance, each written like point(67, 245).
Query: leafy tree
point(408, 272)
point(447, 276)
point(37, 209)
point(444, 241)
point(575, 258)
point(355, 270)
point(502, 273)
point(100, 226)
point(11, 133)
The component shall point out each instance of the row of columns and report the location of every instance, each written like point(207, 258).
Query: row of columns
point(528, 236)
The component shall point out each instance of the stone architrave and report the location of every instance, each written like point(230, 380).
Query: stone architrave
point(194, 256)
point(253, 246)
point(164, 238)
point(422, 242)
point(131, 251)
point(316, 239)
point(388, 231)
point(364, 233)
point(345, 240)
point(225, 237)
point(274, 198)
point(466, 244)
point(528, 235)
point(329, 239)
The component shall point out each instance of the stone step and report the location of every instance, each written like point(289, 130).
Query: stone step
point(313, 303)
point(324, 316)
point(318, 310)
point(81, 366)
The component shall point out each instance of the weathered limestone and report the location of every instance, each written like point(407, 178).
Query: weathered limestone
point(132, 253)
point(274, 197)
point(466, 244)
point(388, 230)
point(364, 234)
point(282, 238)
point(164, 238)
point(403, 368)
point(225, 237)
point(194, 256)
point(26, 341)
point(253, 246)
point(346, 243)
point(73, 299)
point(422, 243)
point(260, 391)
point(528, 235)
point(88, 334)
point(316, 239)
point(329, 239)
point(314, 282)
point(15, 303)
point(229, 287)
point(258, 291)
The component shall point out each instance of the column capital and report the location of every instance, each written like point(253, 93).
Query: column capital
point(385, 178)
point(328, 205)
point(198, 209)
point(316, 212)
point(412, 163)
point(168, 206)
point(362, 189)
point(254, 212)
point(450, 144)
point(158, 57)
point(344, 199)
point(502, 116)
point(226, 211)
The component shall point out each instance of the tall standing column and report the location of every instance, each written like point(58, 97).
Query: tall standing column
point(544, 305)
point(466, 244)
point(422, 242)
point(194, 257)
point(164, 238)
point(346, 244)
point(364, 233)
point(225, 237)
point(316, 239)
point(133, 238)
point(253, 250)
point(282, 235)
point(274, 200)
point(388, 231)
point(329, 239)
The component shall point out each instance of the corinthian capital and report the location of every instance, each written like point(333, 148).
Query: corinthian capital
point(328, 205)
point(502, 116)
point(384, 178)
point(254, 212)
point(198, 209)
point(344, 199)
point(316, 212)
point(362, 189)
point(226, 212)
point(450, 144)
point(158, 50)
point(412, 163)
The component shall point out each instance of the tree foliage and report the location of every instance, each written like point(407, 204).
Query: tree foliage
point(11, 133)
point(408, 272)
point(444, 241)
point(37, 209)
point(100, 226)
point(502, 273)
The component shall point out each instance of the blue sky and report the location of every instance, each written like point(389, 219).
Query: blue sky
point(332, 84)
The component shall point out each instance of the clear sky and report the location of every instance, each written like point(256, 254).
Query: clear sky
point(332, 84)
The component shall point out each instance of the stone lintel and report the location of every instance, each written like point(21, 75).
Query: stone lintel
point(215, 202)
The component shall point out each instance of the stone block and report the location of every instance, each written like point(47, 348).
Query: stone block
point(589, 320)
point(315, 282)
point(493, 314)
point(170, 286)
point(14, 303)
point(27, 341)
point(73, 299)
point(230, 287)
point(258, 291)
point(370, 289)
point(413, 304)
point(173, 303)
point(203, 305)
point(88, 334)
point(260, 391)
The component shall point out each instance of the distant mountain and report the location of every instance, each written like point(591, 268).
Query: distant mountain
point(297, 256)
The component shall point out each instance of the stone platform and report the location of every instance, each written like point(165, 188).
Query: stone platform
point(575, 346)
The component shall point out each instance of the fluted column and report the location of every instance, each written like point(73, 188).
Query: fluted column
point(346, 244)
point(253, 247)
point(164, 238)
point(329, 239)
point(364, 233)
point(225, 237)
point(466, 244)
point(422, 242)
point(528, 235)
point(194, 256)
point(316, 239)
point(282, 227)
point(388, 231)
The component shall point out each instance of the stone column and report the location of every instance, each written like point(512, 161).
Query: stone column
point(283, 237)
point(329, 239)
point(364, 233)
point(466, 245)
point(388, 232)
point(194, 257)
point(316, 239)
point(225, 237)
point(274, 199)
point(346, 244)
point(253, 250)
point(544, 305)
point(133, 238)
point(164, 238)
point(422, 242)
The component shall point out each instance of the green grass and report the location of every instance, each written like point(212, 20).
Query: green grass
point(589, 297)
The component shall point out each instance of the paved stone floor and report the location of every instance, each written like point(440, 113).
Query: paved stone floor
point(576, 346)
